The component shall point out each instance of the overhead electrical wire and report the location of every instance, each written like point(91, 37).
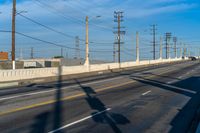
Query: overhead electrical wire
point(48, 42)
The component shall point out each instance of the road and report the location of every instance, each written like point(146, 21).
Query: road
point(155, 99)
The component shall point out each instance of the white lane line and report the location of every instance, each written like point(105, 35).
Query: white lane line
point(187, 73)
point(53, 90)
point(79, 121)
point(180, 77)
point(173, 81)
point(23, 95)
point(143, 94)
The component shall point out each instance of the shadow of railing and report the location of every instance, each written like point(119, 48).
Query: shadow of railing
point(101, 114)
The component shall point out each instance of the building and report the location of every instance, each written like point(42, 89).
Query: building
point(3, 56)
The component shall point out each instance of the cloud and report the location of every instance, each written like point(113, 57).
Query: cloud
point(138, 13)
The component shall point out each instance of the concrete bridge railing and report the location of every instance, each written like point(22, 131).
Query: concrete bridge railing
point(21, 74)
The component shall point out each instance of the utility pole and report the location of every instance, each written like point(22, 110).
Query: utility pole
point(175, 49)
point(77, 51)
point(119, 18)
point(137, 48)
point(87, 43)
point(154, 40)
point(161, 47)
point(13, 33)
point(181, 51)
point(185, 50)
point(114, 52)
point(32, 53)
point(199, 52)
point(21, 54)
point(61, 52)
point(167, 39)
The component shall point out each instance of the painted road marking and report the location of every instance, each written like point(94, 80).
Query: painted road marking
point(73, 86)
point(53, 90)
point(63, 99)
point(78, 95)
point(79, 121)
point(143, 94)
point(173, 81)
point(180, 77)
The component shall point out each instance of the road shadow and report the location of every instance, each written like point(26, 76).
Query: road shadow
point(102, 114)
point(159, 75)
point(188, 117)
point(51, 120)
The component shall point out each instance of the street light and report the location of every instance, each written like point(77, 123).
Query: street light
point(87, 40)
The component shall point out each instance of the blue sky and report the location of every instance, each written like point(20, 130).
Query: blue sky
point(181, 17)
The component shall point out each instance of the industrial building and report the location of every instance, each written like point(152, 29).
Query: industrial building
point(3, 56)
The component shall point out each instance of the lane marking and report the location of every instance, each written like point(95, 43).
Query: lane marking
point(174, 87)
point(180, 77)
point(79, 95)
point(72, 86)
point(79, 121)
point(63, 99)
point(143, 94)
point(53, 90)
point(173, 81)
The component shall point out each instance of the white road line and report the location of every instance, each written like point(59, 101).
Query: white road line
point(187, 73)
point(53, 90)
point(173, 81)
point(23, 95)
point(79, 121)
point(180, 77)
point(143, 94)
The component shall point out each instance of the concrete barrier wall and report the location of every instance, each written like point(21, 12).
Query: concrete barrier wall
point(20, 74)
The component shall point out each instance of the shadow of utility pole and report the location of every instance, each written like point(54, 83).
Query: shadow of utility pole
point(51, 119)
point(112, 119)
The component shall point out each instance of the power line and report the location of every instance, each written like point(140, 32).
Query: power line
point(48, 42)
point(49, 28)
point(61, 33)
point(69, 17)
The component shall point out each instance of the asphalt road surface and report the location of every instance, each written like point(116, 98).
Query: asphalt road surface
point(155, 99)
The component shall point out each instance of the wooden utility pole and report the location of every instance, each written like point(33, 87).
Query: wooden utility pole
point(13, 33)
point(87, 43)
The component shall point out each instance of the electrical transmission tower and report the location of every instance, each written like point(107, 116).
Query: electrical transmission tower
point(77, 50)
point(167, 39)
point(175, 46)
point(118, 17)
point(31, 52)
point(153, 29)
